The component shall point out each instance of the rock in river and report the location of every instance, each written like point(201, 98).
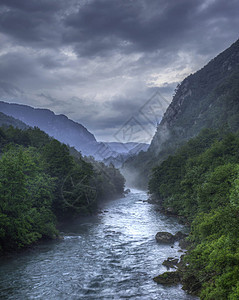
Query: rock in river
point(171, 262)
point(168, 278)
point(164, 237)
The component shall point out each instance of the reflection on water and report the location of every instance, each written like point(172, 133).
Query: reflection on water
point(111, 256)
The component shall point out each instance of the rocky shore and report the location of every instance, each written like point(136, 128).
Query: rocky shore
point(180, 275)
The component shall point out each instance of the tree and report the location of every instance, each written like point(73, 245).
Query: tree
point(25, 200)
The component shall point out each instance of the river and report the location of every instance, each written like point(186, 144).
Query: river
point(113, 255)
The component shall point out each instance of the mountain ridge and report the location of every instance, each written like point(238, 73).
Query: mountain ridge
point(6, 120)
point(70, 132)
point(59, 126)
point(209, 98)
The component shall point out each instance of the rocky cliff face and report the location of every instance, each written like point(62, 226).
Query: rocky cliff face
point(197, 97)
point(208, 98)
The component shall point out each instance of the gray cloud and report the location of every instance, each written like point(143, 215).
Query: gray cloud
point(31, 22)
point(104, 25)
point(99, 61)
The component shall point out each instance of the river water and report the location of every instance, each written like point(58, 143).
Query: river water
point(110, 256)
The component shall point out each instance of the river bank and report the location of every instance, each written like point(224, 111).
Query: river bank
point(109, 256)
point(177, 269)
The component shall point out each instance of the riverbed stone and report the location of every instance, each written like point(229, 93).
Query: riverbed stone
point(127, 191)
point(171, 262)
point(164, 237)
point(168, 278)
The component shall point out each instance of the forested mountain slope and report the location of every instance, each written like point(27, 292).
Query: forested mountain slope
point(71, 133)
point(42, 183)
point(207, 99)
point(57, 126)
point(10, 121)
point(200, 182)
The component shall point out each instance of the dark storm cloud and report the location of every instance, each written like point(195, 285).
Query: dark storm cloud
point(34, 22)
point(104, 25)
point(99, 61)
point(33, 5)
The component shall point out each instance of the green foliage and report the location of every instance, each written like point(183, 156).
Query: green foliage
point(77, 190)
point(202, 169)
point(58, 159)
point(41, 182)
point(215, 258)
point(201, 182)
point(10, 121)
point(234, 195)
point(205, 99)
point(108, 180)
point(25, 206)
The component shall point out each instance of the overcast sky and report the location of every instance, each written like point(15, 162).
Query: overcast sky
point(100, 61)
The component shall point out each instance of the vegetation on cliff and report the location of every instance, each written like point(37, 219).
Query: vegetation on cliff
point(201, 183)
point(206, 99)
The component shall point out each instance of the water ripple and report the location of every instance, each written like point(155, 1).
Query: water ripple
point(111, 256)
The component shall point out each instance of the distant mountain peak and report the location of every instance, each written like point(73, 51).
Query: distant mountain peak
point(58, 126)
point(69, 132)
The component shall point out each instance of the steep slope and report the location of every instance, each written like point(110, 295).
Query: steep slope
point(207, 99)
point(131, 147)
point(68, 132)
point(125, 151)
point(58, 126)
point(10, 121)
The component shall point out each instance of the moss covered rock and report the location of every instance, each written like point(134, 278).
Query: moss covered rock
point(168, 278)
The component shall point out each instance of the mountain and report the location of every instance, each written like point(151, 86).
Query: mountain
point(208, 98)
point(138, 148)
point(123, 152)
point(131, 147)
point(67, 132)
point(10, 121)
point(58, 126)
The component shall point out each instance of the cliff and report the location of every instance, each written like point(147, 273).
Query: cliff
point(208, 98)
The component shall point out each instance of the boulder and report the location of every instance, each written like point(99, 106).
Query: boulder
point(171, 262)
point(164, 237)
point(168, 278)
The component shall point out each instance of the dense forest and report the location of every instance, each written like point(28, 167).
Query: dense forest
point(42, 182)
point(201, 183)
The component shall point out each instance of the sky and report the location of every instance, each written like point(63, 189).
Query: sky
point(111, 65)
